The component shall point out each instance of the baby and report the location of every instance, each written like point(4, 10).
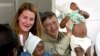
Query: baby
point(75, 14)
point(35, 46)
point(76, 20)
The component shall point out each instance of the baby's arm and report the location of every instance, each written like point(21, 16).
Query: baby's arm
point(84, 13)
point(64, 21)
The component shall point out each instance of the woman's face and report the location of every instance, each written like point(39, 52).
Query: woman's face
point(26, 20)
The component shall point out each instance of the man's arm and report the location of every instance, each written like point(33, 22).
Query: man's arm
point(65, 42)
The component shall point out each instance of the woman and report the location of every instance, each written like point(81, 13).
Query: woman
point(27, 22)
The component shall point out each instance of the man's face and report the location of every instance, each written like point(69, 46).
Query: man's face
point(51, 26)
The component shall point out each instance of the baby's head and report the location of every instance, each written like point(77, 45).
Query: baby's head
point(74, 6)
point(35, 46)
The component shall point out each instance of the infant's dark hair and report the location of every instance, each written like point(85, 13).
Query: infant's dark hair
point(72, 3)
point(8, 40)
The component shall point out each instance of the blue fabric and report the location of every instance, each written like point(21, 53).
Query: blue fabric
point(47, 54)
point(25, 54)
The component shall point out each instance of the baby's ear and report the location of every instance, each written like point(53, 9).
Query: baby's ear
point(64, 21)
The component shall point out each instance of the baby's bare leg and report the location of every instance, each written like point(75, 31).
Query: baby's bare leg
point(79, 51)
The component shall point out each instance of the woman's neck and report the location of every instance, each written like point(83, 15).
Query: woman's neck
point(25, 36)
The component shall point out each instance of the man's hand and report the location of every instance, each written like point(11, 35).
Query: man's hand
point(69, 25)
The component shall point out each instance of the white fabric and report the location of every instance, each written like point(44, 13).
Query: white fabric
point(97, 44)
point(21, 39)
point(84, 43)
point(31, 43)
point(65, 8)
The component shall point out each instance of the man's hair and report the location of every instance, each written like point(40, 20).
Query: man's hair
point(8, 40)
point(47, 14)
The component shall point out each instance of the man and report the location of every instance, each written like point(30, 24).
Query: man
point(58, 43)
point(8, 41)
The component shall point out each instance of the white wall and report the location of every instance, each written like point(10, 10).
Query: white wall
point(42, 5)
point(7, 11)
point(9, 7)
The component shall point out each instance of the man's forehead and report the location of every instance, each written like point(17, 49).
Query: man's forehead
point(53, 18)
point(50, 20)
